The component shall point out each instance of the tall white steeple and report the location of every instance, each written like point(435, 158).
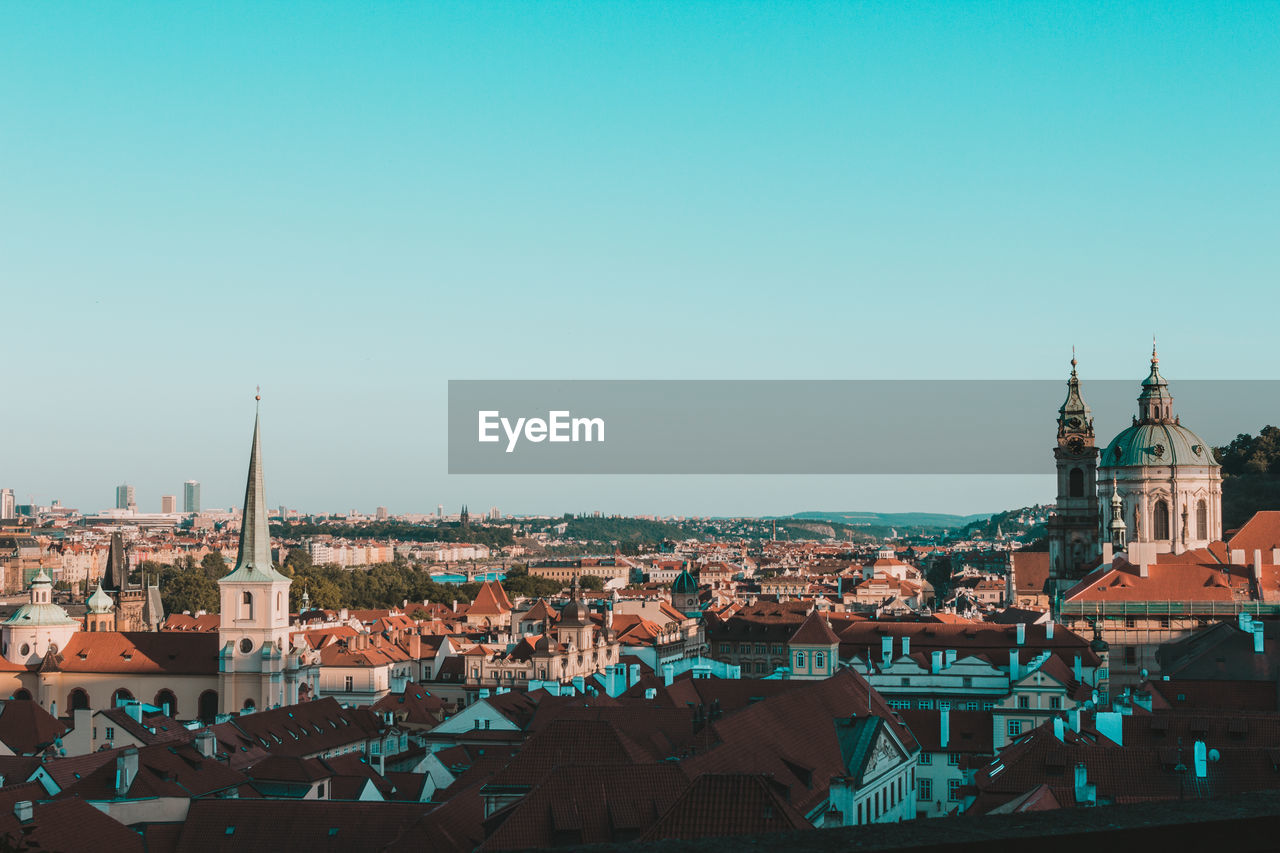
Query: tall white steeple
point(254, 614)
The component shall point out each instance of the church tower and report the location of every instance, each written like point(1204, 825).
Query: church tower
point(257, 667)
point(1074, 535)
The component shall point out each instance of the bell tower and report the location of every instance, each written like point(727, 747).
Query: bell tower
point(1074, 528)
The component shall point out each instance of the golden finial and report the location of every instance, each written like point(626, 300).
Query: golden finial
point(1073, 357)
point(257, 393)
point(1155, 359)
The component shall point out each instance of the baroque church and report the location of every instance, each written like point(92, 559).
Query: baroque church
point(1154, 489)
point(117, 655)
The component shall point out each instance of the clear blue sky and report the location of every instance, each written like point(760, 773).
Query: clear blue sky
point(352, 203)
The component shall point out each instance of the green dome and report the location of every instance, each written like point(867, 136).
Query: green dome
point(1157, 444)
point(684, 584)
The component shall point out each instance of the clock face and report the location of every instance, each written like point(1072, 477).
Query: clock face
point(1075, 444)
point(1073, 422)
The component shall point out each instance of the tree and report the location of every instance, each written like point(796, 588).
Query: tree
point(191, 591)
point(213, 565)
point(298, 559)
point(592, 583)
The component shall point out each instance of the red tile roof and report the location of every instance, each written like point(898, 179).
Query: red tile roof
point(815, 631)
point(219, 825)
point(725, 805)
point(26, 728)
point(70, 825)
point(170, 652)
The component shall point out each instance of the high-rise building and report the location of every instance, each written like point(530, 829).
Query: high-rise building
point(8, 505)
point(380, 513)
point(124, 497)
point(439, 510)
point(191, 496)
point(169, 503)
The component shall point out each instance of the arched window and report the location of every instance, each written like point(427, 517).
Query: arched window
point(819, 660)
point(1160, 520)
point(207, 706)
point(166, 701)
point(1075, 483)
point(279, 602)
point(1202, 520)
point(24, 693)
point(799, 660)
point(78, 700)
point(120, 696)
point(246, 605)
point(249, 704)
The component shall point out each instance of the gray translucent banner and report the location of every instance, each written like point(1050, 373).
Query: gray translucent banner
point(808, 426)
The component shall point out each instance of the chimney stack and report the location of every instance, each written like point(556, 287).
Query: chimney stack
point(23, 810)
point(207, 743)
point(126, 770)
point(1021, 630)
point(944, 726)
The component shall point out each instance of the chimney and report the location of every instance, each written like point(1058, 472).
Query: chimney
point(134, 710)
point(1021, 631)
point(1237, 556)
point(949, 657)
point(633, 675)
point(668, 674)
point(937, 662)
point(207, 743)
point(1059, 728)
point(886, 650)
point(455, 605)
point(944, 727)
point(1258, 647)
point(1275, 556)
point(1077, 671)
point(1073, 720)
point(1086, 794)
point(22, 810)
point(1201, 757)
point(415, 645)
point(126, 770)
point(906, 646)
point(1014, 673)
point(1048, 630)
point(1110, 724)
point(1143, 569)
point(1257, 568)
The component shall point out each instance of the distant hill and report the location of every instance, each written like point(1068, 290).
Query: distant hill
point(929, 520)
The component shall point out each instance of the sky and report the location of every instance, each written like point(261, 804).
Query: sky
point(350, 204)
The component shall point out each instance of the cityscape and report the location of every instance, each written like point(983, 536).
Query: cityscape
point(645, 427)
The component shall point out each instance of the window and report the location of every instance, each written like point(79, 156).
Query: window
point(926, 758)
point(78, 700)
point(1055, 703)
point(348, 683)
point(760, 648)
point(375, 747)
point(925, 704)
point(953, 790)
point(777, 650)
point(1160, 520)
point(988, 706)
point(1130, 654)
point(971, 705)
point(944, 704)
point(167, 701)
point(110, 733)
point(1024, 701)
point(1015, 728)
point(724, 648)
point(246, 645)
point(953, 759)
point(246, 605)
point(799, 660)
point(1202, 520)
point(762, 668)
point(819, 660)
point(1075, 484)
point(905, 681)
point(966, 680)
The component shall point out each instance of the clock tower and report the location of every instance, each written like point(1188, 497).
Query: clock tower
point(1074, 527)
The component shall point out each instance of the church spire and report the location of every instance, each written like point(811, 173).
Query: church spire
point(1074, 417)
point(1155, 403)
point(254, 560)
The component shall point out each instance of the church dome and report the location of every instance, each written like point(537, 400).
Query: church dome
point(684, 584)
point(1155, 445)
point(100, 602)
point(1156, 438)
